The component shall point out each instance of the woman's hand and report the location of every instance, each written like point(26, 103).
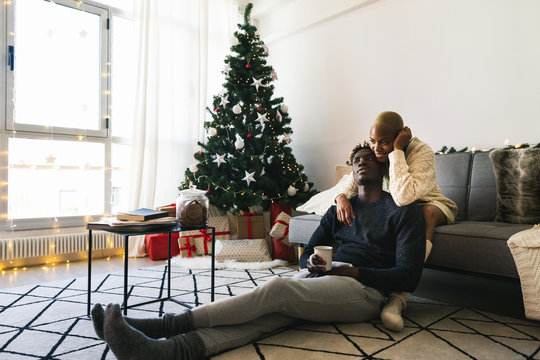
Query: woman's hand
point(345, 212)
point(402, 139)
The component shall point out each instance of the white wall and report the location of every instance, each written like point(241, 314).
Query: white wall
point(460, 72)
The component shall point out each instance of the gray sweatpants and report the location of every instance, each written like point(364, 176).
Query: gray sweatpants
point(281, 302)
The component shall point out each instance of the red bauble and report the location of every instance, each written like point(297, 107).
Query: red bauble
point(248, 66)
point(217, 109)
point(248, 135)
point(200, 153)
point(208, 191)
point(259, 109)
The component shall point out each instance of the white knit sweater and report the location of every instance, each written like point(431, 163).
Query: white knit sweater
point(412, 178)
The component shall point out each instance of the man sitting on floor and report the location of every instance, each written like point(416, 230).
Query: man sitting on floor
point(383, 251)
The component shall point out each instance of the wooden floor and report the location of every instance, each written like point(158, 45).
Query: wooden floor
point(75, 269)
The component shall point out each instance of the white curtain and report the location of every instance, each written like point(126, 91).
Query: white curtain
point(180, 50)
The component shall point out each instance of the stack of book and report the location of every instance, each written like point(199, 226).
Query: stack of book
point(139, 218)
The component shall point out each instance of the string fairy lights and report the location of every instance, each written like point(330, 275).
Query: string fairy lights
point(48, 131)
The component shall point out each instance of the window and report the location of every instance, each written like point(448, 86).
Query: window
point(64, 158)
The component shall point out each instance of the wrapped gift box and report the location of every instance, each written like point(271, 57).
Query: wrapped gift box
point(187, 249)
point(202, 239)
point(280, 227)
point(249, 226)
point(157, 245)
point(279, 218)
point(243, 250)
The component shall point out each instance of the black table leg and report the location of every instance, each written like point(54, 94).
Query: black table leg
point(89, 272)
point(213, 263)
point(169, 269)
point(126, 240)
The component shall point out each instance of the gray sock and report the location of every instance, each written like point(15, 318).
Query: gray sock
point(129, 343)
point(164, 327)
point(97, 320)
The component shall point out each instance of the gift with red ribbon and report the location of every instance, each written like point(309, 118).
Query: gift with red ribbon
point(280, 228)
point(186, 249)
point(249, 226)
point(202, 238)
point(281, 247)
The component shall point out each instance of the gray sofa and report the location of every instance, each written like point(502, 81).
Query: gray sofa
point(475, 243)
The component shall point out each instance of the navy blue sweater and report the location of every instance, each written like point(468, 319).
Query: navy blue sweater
point(387, 243)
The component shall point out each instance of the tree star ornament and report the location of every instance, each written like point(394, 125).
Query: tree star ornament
point(261, 118)
point(249, 177)
point(50, 159)
point(220, 159)
point(224, 101)
point(287, 138)
point(257, 83)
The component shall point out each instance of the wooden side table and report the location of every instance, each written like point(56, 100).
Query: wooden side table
point(129, 230)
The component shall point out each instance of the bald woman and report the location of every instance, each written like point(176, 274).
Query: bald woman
point(411, 178)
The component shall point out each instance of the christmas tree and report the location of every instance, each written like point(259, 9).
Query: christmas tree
point(246, 159)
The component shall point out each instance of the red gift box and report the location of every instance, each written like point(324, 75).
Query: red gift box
point(157, 245)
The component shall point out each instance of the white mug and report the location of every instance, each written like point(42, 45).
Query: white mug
point(325, 252)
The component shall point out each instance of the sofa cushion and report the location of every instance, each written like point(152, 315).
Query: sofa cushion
point(481, 229)
point(518, 189)
point(482, 201)
point(453, 178)
point(475, 246)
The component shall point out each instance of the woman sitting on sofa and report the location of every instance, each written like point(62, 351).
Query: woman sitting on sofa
point(412, 177)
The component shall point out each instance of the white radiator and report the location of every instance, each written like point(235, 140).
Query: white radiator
point(57, 244)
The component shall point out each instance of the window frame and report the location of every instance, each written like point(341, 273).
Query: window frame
point(103, 135)
point(102, 131)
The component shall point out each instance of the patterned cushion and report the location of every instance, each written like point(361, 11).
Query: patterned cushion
point(244, 250)
point(518, 190)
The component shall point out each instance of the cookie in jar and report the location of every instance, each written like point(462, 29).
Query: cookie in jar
point(192, 207)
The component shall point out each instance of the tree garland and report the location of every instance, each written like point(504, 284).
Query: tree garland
point(449, 150)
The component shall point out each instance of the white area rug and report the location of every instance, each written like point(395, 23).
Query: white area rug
point(205, 262)
point(48, 321)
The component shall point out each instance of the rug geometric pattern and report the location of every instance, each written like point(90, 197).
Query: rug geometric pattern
point(48, 321)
